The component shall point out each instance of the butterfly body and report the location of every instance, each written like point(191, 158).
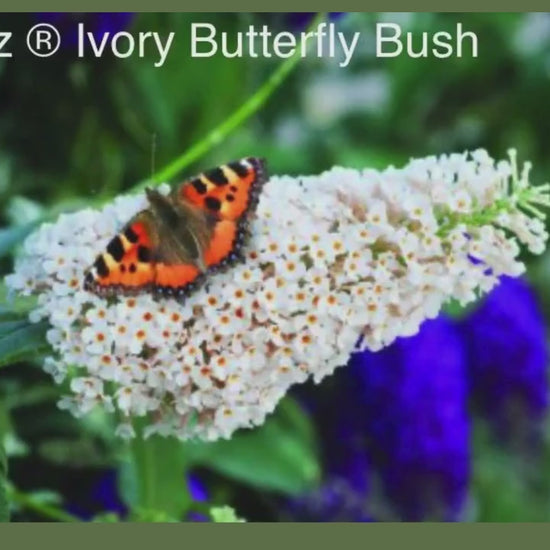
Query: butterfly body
point(170, 247)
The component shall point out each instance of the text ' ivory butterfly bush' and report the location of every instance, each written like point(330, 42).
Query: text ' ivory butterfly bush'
point(345, 260)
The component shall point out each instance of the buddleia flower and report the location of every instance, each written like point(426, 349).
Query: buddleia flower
point(412, 399)
point(345, 260)
point(335, 500)
point(505, 339)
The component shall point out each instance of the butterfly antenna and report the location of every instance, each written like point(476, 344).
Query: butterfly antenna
point(153, 153)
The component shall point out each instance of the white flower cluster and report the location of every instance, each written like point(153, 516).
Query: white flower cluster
point(344, 260)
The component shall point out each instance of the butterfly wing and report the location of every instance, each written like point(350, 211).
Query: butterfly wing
point(229, 194)
point(125, 265)
point(140, 258)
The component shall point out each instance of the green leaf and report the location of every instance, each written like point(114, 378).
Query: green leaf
point(152, 481)
point(128, 482)
point(46, 496)
point(152, 516)
point(499, 490)
point(8, 314)
point(455, 310)
point(12, 446)
point(81, 452)
point(22, 210)
point(4, 506)
point(19, 306)
point(21, 395)
point(224, 514)
point(22, 340)
point(279, 456)
point(12, 325)
point(106, 517)
point(12, 236)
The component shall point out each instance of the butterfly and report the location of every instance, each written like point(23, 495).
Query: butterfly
point(170, 247)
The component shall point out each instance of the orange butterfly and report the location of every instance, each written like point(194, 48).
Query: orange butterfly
point(170, 247)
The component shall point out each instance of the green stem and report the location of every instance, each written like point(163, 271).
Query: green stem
point(220, 132)
point(144, 460)
point(480, 217)
point(4, 506)
point(41, 508)
point(525, 199)
point(158, 467)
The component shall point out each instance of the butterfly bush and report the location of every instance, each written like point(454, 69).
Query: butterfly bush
point(343, 261)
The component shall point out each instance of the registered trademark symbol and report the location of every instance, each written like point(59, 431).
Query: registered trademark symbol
point(43, 40)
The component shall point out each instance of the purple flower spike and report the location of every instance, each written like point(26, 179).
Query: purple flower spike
point(335, 500)
point(416, 421)
point(507, 357)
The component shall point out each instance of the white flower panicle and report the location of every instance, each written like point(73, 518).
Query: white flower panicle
point(341, 261)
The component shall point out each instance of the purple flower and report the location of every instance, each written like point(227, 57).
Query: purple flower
point(196, 488)
point(300, 20)
point(507, 359)
point(198, 493)
point(96, 23)
point(412, 401)
point(344, 492)
point(105, 494)
point(335, 500)
point(294, 21)
point(101, 498)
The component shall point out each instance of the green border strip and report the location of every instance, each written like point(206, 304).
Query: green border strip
point(271, 535)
